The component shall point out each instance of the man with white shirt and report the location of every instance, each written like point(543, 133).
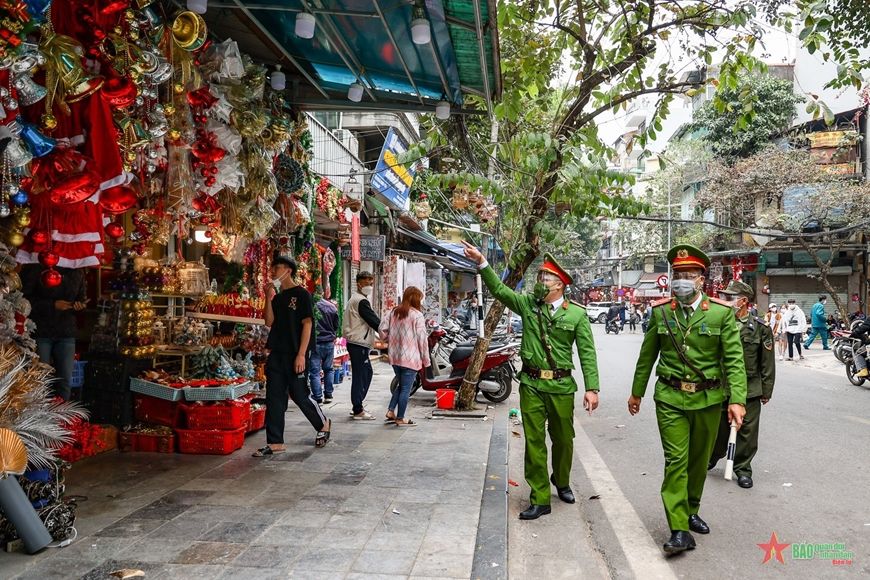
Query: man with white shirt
point(551, 327)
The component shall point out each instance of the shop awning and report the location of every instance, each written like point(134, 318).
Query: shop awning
point(835, 271)
point(445, 253)
point(374, 208)
point(369, 42)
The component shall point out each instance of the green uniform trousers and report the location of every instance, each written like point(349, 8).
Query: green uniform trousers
point(556, 414)
point(747, 438)
point(687, 440)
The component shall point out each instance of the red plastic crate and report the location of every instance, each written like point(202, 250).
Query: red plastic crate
point(210, 442)
point(258, 420)
point(156, 411)
point(217, 416)
point(148, 443)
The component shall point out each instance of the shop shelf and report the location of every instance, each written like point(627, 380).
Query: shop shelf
point(228, 416)
point(144, 387)
point(147, 442)
point(210, 442)
point(157, 411)
point(224, 393)
point(226, 318)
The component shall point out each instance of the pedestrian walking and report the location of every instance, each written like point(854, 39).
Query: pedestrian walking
point(644, 320)
point(695, 339)
point(760, 361)
point(323, 355)
point(406, 335)
point(633, 317)
point(622, 309)
point(773, 319)
point(551, 328)
point(290, 318)
point(360, 328)
point(819, 324)
point(795, 322)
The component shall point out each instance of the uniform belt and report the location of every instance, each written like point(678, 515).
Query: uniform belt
point(688, 387)
point(546, 374)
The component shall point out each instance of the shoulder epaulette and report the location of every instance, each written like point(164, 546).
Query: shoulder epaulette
point(661, 302)
point(719, 301)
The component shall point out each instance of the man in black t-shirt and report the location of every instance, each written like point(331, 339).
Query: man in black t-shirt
point(290, 318)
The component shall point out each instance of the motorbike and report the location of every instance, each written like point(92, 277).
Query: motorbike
point(496, 375)
point(856, 346)
point(612, 326)
point(840, 342)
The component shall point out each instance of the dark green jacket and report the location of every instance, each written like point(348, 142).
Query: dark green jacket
point(759, 357)
point(712, 344)
point(567, 326)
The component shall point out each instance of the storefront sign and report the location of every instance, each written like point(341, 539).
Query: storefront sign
point(390, 178)
point(371, 248)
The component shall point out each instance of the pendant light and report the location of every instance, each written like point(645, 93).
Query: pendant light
point(305, 24)
point(442, 110)
point(355, 92)
point(278, 81)
point(198, 6)
point(421, 33)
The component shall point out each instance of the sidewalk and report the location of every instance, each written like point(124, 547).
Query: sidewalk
point(377, 501)
point(817, 359)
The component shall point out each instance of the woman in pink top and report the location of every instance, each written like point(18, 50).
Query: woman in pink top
point(405, 331)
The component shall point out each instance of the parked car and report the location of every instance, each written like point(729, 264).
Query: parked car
point(597, 311)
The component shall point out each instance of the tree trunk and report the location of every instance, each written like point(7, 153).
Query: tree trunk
point(824, 268)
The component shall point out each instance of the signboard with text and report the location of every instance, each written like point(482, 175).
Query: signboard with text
point(390, 178)
point(371, 248)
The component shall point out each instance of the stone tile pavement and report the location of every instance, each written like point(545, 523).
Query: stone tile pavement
point(377, 501)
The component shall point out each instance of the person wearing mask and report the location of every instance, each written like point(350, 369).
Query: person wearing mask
point(696, 342)
point(773, 319)
point(861, 332)
point(795, 324)
point(360, 329)
point(760, 361)
point(290, 318)
point(53, 311)
point(323, 355)
point(551, 328)
point(819, 323)
point(405, 332)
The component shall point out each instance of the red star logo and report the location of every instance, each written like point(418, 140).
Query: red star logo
point(773, 548)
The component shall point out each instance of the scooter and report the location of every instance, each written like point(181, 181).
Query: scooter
point(858, 347)
point(612, 326)
point(496, 376)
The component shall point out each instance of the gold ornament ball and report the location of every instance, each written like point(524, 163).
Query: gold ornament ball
point(169, 110)
point(49, 122)
point(174, 134)
point(178, 88)
point(15, 239)
point(127, 167)
point(23, 219)
point(135, 74)
point(130, 156)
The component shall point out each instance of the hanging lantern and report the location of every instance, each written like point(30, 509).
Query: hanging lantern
point(114, 230)
point(118, 199)
point(51, 278)
point(75, 188)
point(48, 259)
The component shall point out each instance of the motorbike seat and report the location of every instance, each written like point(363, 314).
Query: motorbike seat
point(461, 352)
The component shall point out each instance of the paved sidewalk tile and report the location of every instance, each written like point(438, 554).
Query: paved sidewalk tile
point(378, 502)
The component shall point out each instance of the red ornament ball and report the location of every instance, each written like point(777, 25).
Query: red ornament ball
point(48, 259)
point(115, 230)
point(39, 237)
point(51, 278)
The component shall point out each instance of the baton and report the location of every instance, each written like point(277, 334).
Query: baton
point(732, 448)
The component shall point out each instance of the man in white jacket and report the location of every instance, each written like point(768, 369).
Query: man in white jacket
point(795, 322)
point(360, 328)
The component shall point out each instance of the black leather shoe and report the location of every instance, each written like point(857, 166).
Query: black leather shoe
point(744, 481)
point(680, 542)
point(565, 493)
point(534, 512)
point(696, 524)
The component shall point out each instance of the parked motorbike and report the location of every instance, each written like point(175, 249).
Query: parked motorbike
point(496, 376)
point(612, 326)
point(856, 346)
point(840, 342)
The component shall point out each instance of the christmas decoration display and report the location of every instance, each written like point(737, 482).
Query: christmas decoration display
point(137, 321)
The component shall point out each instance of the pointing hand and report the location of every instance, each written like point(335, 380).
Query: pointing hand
point(473, 253)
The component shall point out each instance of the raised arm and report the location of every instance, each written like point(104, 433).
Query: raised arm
point(499, 290)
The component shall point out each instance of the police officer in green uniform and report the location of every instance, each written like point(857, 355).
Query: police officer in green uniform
point(551, 326)
point(760, 360)
point(695, 339)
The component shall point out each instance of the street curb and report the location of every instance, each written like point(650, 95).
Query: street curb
point(491, 550)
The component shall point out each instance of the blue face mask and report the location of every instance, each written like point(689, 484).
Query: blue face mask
point(683, 288)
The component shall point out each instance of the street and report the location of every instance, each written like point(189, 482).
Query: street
point(812, 485)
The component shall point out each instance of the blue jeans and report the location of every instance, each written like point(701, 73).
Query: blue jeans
point(403, 392)
point(61, 354)
point(817, 331)
point(321, 359)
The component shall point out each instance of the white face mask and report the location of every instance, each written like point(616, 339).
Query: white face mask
point(791, 306)
point(683, 288)
point(276, 282)
point(367, 290)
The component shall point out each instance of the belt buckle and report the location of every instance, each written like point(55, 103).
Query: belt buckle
point(547, 374)
point(688, 387)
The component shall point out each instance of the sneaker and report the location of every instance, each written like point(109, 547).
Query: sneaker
point(318, 401)
point(327, 399)
point(802, 357)
point(789, 358)
point(863, 373)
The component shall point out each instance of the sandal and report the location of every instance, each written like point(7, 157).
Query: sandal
point(323, 436)
point(266, 451)
point(390, 417)
point(405, 423)
point(364, 416)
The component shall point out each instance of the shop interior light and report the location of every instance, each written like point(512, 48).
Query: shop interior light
point(355, 92)
point(198, 6)
point(305, 24)
point(420, 31)
point(442, 110)
point(202, 235)
point(278, 81)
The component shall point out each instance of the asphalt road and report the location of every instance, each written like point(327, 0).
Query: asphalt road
point(812, 479)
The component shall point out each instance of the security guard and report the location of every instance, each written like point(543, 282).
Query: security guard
point(551, 326)
point(695, 339)
point(760, 360)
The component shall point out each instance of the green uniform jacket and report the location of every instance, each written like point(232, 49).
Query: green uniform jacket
point(759, 356)
point(712, 345)
point(566, 326)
